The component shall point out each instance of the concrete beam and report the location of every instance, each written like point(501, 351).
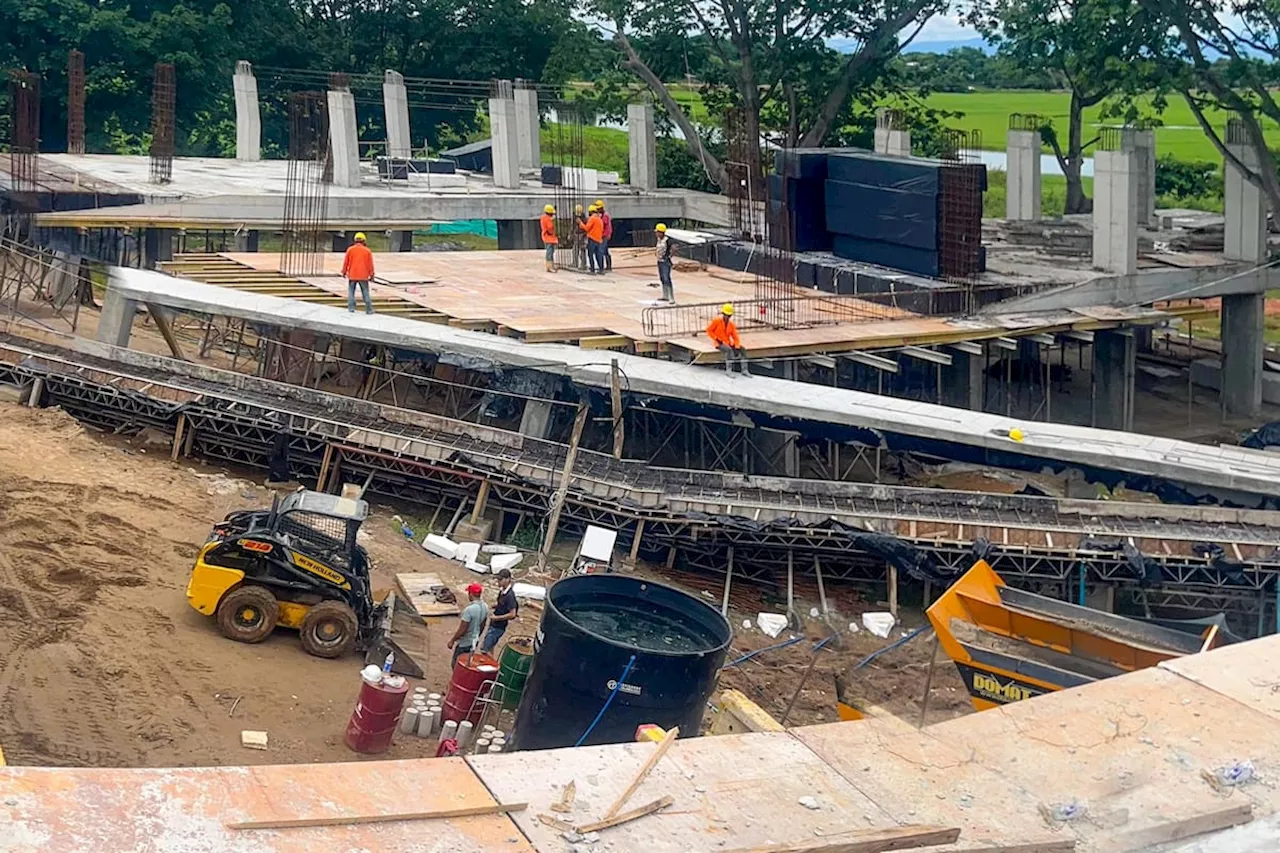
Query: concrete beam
point(248, 115)
point(1022, 158)
point(1114, 368)
point(1145, 287)
point(1243, 321)
point(344, 140)
point(1115, 194)
point(506, 142)
point(1245, 208)
point(528, 127)
point(642, 147)
point(395, 105)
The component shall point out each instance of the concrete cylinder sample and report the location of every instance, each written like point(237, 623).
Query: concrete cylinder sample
point(464, 733)
point(409, 722)
point(449, 730)
point(435, 697)
point(426, 724)
point(482, 746)
point(496, 747)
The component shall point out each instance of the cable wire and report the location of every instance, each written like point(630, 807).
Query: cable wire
point(617, 685)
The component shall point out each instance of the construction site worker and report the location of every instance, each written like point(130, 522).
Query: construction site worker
point(606, 259)
point(357, 269)
point(549, 239)
point(505, 609)
point(470, 624)
point(664, 263)
point(724, 334)
point(594, 229)
point(579, 237)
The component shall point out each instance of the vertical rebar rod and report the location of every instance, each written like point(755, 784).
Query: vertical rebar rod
point(163, 98)
point(75, 102)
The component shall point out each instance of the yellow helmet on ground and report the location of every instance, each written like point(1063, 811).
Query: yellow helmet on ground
point(360, 238)
point(661, 228)
point(551, 208)
point(727, 310)
point(1016, 434)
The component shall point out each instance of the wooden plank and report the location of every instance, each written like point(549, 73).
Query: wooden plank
point(643, 773)
point(1176, 830)
point(605, 342)
point(350, 820)
point(562, 489)
point(162, 323)
point(416, 589)
point(870, 841)
point(626, 817)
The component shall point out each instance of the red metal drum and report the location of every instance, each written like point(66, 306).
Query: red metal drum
point(473, 677)
point(374, 719)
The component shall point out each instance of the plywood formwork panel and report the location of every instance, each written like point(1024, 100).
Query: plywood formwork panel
point(57, 810)
point(1245, 673)
point(731, 791)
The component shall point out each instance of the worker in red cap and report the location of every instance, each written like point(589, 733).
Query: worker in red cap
point(471, 624)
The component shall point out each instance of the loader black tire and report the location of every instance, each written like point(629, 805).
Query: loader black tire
point(329, 629)
point(248, 614)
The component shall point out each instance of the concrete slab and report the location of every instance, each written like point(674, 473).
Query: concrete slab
point(1244, 673)
point(71, 810)
point(731, 791)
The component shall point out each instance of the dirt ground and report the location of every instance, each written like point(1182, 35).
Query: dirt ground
point(105, 664)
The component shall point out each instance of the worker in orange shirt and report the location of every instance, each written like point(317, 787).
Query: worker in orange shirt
point(549, 238)
point(594, 229)
point(357, 269)
point(606, 259)
point(724, 334)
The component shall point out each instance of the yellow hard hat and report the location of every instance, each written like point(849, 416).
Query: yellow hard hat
point(551, 208)
point(1016, 434)
point(727, 309)
point(360, 238)
point(661, 228)
point(600, 203)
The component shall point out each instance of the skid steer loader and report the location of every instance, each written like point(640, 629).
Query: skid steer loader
point(297, 565)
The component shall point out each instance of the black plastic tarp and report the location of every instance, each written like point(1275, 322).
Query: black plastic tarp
point(918, 261)
point(886, 214)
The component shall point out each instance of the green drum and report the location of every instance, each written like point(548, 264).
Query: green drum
point(513, 669)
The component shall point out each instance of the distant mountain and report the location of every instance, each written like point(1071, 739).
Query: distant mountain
point(948, 45)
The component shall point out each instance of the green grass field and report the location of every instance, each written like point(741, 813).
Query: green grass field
point(989, 112)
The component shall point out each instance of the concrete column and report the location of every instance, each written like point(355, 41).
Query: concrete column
point(528, 140)
point(1142, 143)
point(962, 381)
point(401, 241)
point(1245, 208)
point(1115, 224)
point(248, 116)
point(643, 146)
point(115, 323)
point(898, 143)
point(344, 141)
point(246, 241)
point(395, 103)
point(506, 143)
point(536, 420)
point(1114, 365)
point(519, 234)
point(1022, 196)
point(157, 246)
point(1243, 320)
point(341, 241)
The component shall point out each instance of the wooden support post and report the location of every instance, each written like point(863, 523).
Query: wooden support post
point(893, 590)
point(189, 439)
point(635, 543)
point(791, 586)
point(482, 498)
point(325, 461)
point(728, 582)
point(615, 395)
point(177, 436)
point(671, 556)
point(166, 331)
point(562, 490)
point(822, 590)
point(928, 681)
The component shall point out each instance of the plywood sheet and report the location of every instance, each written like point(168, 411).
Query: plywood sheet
point(65, 810)
point(1245, 672)
point(1133, 748)
point(416, 588)
point(730, 791)
point(917, 778)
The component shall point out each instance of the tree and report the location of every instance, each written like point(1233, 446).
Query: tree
point(1084, 45)
point(771, 57)
point(1243, 39)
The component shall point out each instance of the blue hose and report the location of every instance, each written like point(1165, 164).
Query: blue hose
point(607, 702)
point(749, 655)
point(900, 642)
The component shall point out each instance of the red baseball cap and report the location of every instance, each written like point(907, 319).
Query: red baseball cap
point(475, 589)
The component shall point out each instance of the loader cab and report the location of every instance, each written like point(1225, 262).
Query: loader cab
point(323, 527)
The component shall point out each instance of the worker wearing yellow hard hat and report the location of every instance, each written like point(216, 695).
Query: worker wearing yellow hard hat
point(593, 229)
point(606, 259)
point(549, 239)
point(724, 334)
point(664, 263)
point(579, 237)
point(357, 269)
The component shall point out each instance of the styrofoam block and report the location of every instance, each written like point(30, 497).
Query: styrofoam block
point(441, 546)
point(466, 552)
point(879, 623)
point(478, 568)
point(498, 562)
point(531, 591)
point(498, 549)
point(581, 179)
point(609, 178)
point(771, 623)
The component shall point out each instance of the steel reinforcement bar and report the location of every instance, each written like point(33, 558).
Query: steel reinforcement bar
point(1202, 556)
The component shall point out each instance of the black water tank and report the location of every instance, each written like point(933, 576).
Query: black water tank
point(591, 627)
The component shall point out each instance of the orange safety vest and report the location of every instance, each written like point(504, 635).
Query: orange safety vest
point(549, 230)
point(722, 331)
point(594, 227)
point(357, 264)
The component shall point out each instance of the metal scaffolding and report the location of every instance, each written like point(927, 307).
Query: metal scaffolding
point(24, 152)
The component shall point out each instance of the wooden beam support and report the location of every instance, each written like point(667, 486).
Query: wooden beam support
point(177, 436)
point(166, 332)
point(615, 397)
point(350, 820)
point(644, 771)
point(481, 499)
point(562, 490)
point(873, 841)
